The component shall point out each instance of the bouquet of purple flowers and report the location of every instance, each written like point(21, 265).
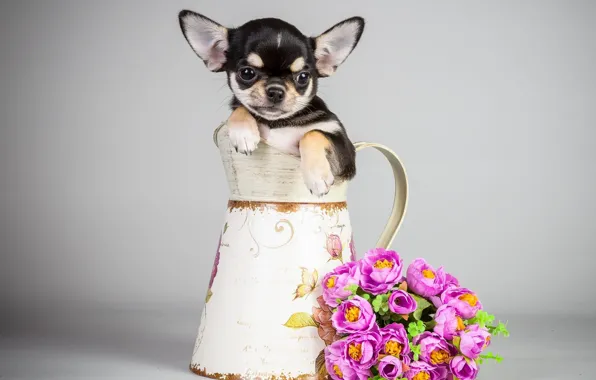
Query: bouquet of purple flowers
point(421, 326)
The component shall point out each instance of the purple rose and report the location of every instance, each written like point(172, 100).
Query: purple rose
point(436, 301)
point(401, 302)
point(339, 368)
point(463, 300)
point(390, 367)
point(451, 281)
point(335, 282)
point(362, 349)
point(463, 368)
point(434, 349)
point(473, 341)
point(449, 323)
point(420, 370)
point(395, 340)
point(380, 270)
point(354, 315)
point(424, 280)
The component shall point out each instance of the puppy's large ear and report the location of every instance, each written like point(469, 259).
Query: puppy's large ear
point(207, 38)
point(335, 45)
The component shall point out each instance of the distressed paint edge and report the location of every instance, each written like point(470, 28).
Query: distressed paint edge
point(197, 370)
point(286, 207)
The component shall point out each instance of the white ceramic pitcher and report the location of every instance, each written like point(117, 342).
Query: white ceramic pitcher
point(261, 318)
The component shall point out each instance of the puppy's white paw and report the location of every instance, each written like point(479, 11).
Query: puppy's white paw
point(244, 135)
point(317, 175)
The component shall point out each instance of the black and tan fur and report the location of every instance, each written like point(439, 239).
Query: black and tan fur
point(273, 71)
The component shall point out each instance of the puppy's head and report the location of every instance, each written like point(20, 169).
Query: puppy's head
point(272, 68)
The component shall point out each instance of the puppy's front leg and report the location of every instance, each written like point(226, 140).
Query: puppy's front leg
point(316, 170)
point(244, 131)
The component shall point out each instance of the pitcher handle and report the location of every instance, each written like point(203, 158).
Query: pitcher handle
point(400, 197)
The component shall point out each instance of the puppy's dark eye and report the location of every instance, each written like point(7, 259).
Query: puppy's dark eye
point(247, 74)
point(302, 78)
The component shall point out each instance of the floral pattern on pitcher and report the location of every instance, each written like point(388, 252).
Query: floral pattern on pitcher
point(256, 235)
point(334, 247)
point(320, 316)
point(352, 249)
point(308, 285)
point(214, 269)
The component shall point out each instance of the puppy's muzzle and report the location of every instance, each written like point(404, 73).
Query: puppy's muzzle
point(275, 93)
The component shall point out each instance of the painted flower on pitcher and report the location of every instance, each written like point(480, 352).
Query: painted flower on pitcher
point(338, 367)
point(449, 323)
point(463, 369)
point(335, 282)
point(334, 247)
point(354, 315)
point(390, 367)
point(380, 270)
point(308, 285)
point(434, 349)
point(463, 300)
point(362, 349)
point(401, 302)
point(352, 248)
point(420, 370)
point(322, 316)
point(395, 341)
point(424, 280)
point(213, 271)
point(473, 340)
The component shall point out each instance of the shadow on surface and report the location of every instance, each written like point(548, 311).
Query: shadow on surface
point(143, 339)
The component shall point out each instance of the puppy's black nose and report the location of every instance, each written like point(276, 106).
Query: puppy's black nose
point(275, 94)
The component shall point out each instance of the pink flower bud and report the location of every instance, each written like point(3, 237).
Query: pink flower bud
point(334, 246)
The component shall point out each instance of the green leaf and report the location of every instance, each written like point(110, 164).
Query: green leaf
point(430, 325)
point(416, 328)
point(500, 329)
point(300, 320)
point(352, 288)
point(456, 341)
point(415, 351)
point(366, 296)
point(380, 305)
point(376, 304)
point(490, 355)
point(483, 319)
point(226, 226)
point(422, 304)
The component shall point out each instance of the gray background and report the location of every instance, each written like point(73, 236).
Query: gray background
point(112, 193)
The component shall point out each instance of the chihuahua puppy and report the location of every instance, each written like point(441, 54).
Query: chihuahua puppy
point(273, 71)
